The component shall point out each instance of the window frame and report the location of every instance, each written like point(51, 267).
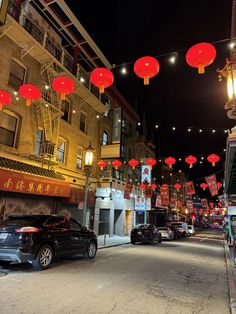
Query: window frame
point(81, 158)
point(17, 127)
point(19, 63)
point(41, 141)
point(67, 101)
point(65, 150)
point(85, 124)
point(107, 134)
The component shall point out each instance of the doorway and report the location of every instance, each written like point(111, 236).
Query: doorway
point(118, 223)
point(104, 216)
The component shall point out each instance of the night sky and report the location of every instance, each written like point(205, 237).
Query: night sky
point(178, 96)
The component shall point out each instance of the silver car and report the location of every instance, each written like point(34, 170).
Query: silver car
point(166, 233)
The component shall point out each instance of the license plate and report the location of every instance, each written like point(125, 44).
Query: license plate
point(3, 236)
point(139, 232)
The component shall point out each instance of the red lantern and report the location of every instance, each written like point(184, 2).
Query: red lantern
point(211, 204)
point(213, 159)
point(165, 185)
point(30, 93)
point(151, 162)
point(102, 78)
point(142, 186)
point(133, 163)
point(5, 99)
point(190, 160)
point(146, 68)
point(170, 161)
point(63, 85)
point(219, 185)
point(101, 164)
point(153, 186)
point(201, 55)
point(116, 164)
point(203, 186)
point(177, 186)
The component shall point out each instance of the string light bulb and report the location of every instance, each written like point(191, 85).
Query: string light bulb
point(213, 131)
point(200, 130)
point(123, 70)
point(139, 123)
point(189, 130)
point(82, 79)
point(173, 128)
point(156, 126)
point(172, 59)
point(231, 45)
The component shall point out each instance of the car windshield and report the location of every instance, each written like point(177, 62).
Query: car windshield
point(141, 226)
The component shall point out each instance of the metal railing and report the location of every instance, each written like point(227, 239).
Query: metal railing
point(63, 56)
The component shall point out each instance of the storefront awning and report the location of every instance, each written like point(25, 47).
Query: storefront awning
point(27, 168)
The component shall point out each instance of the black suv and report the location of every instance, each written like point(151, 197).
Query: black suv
point(145, 233)
point(37, 239)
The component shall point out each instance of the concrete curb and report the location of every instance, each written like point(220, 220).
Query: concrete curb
point(231, 279)
point(112, 245)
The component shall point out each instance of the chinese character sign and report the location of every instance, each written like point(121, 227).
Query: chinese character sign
point(189, 205)
point(164, 195)
point(204, 202)
point(158, 201)
point(128, 190)
point(146, 174)
point(190, 190)
point(212, 184)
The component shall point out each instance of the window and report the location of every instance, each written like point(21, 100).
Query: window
point(74, 225)
point(79, 158)
point(57, 223)
point(9, 128)
point(61, 149)
point(39, 140)
point(104, 138)
point(82, 124)
point(17, 75)
point(65, 108)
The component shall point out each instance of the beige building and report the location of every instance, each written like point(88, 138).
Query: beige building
point(42, 147)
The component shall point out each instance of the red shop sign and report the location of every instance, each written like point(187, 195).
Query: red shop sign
point(25, 183)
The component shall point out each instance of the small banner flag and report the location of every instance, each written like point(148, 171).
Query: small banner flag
point(212, 184)
point(190, 190)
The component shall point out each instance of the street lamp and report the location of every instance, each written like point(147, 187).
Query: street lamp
point(89, 151)
point(229, 72)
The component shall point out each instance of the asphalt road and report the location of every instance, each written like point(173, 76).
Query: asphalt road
point(184, 276)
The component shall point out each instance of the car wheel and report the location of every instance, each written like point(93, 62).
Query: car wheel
point(5, 263)
point(44, 258)
point(133, 242)
point(160, 240)
point(91, 250)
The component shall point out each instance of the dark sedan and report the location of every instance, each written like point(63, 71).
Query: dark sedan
point(145, 233)
point(37, 239)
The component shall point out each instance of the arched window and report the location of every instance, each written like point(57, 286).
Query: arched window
point(9, 128)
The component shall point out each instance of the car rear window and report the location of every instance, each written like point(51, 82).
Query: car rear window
point(19, 221)
point(162, 228)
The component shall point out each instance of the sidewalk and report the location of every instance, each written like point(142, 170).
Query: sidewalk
point(106, 241)
point(231, 274)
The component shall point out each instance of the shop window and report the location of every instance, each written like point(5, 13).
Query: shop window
point(83, 119)
point(17, 74)
point(65, 108)
point(61, 150)
point(39, 140)
point(79, 158)
point(104, 138)
point(9, 128)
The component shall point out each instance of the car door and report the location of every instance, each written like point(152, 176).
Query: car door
point(78, 236)
point(59, 233)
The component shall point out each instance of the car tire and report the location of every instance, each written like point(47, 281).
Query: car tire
point(160, 240)
point(5, 263)
point(154, 241)
point(44, 258)
point(133, 242)
point(91, 250)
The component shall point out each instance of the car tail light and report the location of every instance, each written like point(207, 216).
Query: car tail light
point(28, 229)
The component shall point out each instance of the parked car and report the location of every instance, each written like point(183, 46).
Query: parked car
point(177, 233)
point(182, 228)
point(145, 233)
point(166, 233)
point(37, 239)
point(191, 230)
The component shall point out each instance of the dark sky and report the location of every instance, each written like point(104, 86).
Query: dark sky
point(178, 95)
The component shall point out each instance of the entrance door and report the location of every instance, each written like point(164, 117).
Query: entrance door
point(104, 221)
point(128, 222)
point(118, 223)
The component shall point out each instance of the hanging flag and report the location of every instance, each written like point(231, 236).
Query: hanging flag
point(164, 195)
point(204, 202)
point(212, 184)
point(128, 190)
point(148, 191)
point(189, 204)
point(190, 190)
point(158, 201)
point(146, 174)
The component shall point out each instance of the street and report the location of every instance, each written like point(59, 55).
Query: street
point(184, 276)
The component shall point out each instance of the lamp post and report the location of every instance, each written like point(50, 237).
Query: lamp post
point(89, 151)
